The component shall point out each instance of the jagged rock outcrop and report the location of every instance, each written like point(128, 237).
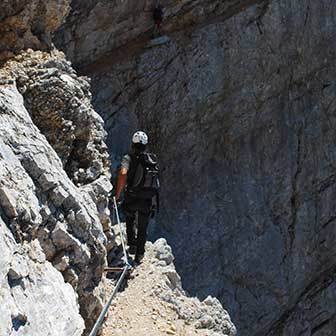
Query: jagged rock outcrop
point(39, 201)
point(54, 180)
point(29, 24)
point(240, 108)
point(34, 298)
point(154, 303)
point(59, 104)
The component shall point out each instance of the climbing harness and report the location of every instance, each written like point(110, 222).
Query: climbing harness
point(125, 269)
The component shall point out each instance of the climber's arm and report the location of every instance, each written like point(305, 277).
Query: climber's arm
point(122, 176)
point(122, 179)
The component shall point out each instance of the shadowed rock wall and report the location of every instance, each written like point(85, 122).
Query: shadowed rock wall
point(240, 107)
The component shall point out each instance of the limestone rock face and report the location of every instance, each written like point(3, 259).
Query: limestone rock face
point(40, 202)
point(59, 104)
point(207, 314)
point(240, 108)
point(34, 298)
point(94, 29)
point(154, 302)
point(29, 24)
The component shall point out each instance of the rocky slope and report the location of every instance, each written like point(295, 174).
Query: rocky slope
point(39, 201)
point(240, 106)
point(29, 24)
point(153, 303)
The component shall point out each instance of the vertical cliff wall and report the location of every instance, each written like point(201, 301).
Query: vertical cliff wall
point(240, 106)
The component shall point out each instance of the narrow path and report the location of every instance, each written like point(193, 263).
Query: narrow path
point(154, 304)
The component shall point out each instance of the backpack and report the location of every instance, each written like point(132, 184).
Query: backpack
point(144, 180)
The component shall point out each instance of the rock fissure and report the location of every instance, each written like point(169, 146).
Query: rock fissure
point(295, 198)
point(325, 279)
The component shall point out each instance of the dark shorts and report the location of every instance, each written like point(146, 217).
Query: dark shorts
point(133, 204)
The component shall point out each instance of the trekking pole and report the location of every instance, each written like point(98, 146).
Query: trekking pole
point(121, 231)
point(127, 266)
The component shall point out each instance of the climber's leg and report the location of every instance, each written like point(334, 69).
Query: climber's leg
point(143, 219)
point(130, 230)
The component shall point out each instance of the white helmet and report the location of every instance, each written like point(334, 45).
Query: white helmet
point(140, 137)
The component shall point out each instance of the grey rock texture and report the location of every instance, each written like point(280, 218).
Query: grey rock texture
point(97, 29)
point(35, 300)
point(29, 24)
point(154, 302)
point(240, 107)
point(59, 104)
point(38, 199)
point(208, 314)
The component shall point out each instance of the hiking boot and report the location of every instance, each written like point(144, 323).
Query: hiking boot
point(132, 249)
point(138, 258)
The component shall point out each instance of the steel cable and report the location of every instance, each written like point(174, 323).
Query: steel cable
point(122, 276)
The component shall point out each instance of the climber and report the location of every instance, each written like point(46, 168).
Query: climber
point(158, 18)
point(138, 176)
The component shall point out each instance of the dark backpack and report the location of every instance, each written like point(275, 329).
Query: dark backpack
point(143, 179)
